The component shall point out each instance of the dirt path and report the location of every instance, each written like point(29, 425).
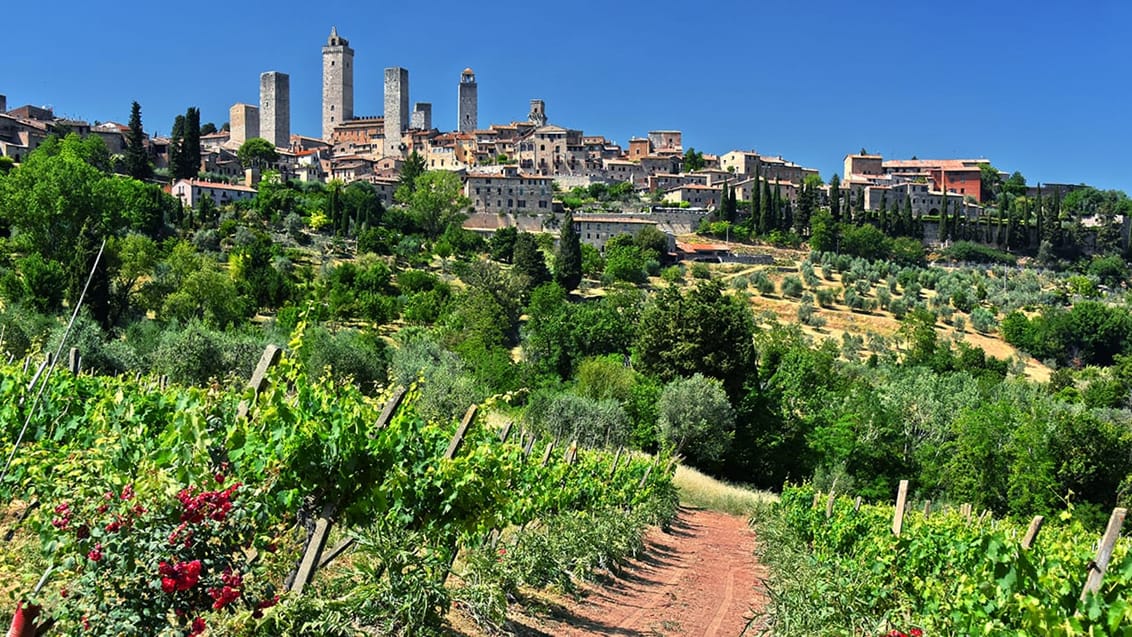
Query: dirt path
point(700, 578)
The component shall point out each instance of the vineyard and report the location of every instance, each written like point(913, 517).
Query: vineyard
point(846, 568)
point(295, 505)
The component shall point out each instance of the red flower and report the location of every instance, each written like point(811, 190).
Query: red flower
point(95, 554)
point(63, 592)
point(198, 626)
point(83, 532)
point(915, 632)
point(103, 507)
point(219, 478)
point(61, 523)
point(138, 509)
point(86, 623)
point(114, 526)
point(168, 584)
point(128, 492)
point(223, 596)
point(62, 508)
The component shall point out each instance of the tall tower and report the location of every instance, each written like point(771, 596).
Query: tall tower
point(396, 109)
point(467, 104)
point(337, 83)
point(537, 115)
point(243, 122)
point(275, 108)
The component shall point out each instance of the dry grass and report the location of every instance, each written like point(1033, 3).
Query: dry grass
point(699, 490)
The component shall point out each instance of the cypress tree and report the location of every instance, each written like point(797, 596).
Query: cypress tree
point(137, 160)
point(191, 148)
point(906, 216)
point(1038, 215)
point(755, 210)
point(568, 259)
point(778, 216)
point(766, 219)
point(176, 143)
point(943, 229)
point(835, 198)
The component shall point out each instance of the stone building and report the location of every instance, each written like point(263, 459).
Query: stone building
point(337, 83)
point(396, 109)
point(191, 191)
point(275, 108)
point(509, 191)
point(468, 103)
point(666, 140)
point(421, 117)
point(596, 230)
point(3, 103)
point(359, 136)
point(243, 123)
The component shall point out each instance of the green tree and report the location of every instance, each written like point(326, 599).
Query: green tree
point(191, 149)
point(176, 148)
point(568, 258)
point(502, 244)
point(835, 198)
point(413, 168)
point(696, 418)
point(257, 152)
point(530, 261)
point(693, 160)
point(701, 331)
point(137, 159)
point(437, 201)
point(823, 232)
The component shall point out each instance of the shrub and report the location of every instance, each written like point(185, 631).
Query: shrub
point(792, 286)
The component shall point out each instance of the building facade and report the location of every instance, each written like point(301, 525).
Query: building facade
point(509, 191)
point(191, 191)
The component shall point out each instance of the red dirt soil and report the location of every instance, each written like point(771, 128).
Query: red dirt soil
point(698, 578)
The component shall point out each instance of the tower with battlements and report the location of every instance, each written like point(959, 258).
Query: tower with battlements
point(537, 115)
point(396, 109)
point(337, 83)
point(275, 108)
point(468, 118)
point(421, 117)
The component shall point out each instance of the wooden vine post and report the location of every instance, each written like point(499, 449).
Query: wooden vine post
point(927, 509)
point(857, 504)
point(1099, 564)
point(1032, 532)
point(829, 504)
point(312, 557)
point(898, 515)
point(259, 377)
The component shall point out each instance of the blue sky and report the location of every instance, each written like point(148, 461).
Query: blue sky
point(1039, 87)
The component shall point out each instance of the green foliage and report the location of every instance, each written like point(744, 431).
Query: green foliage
point(530, 262)
point(977, 253)
point(257, 152)
point(568, 258)
point(942, 575)
point(700, 331)
point(502, 244)
point(695, 417)
point(626, 263)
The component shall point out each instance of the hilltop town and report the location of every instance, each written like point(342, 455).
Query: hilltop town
point(522, 172)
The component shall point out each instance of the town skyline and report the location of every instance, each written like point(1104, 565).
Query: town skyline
point(718, 114)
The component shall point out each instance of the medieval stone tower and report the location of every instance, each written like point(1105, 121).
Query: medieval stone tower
point(421, 117)
point(275, 108)
point(467, 103)
point(243, 122)
point(337, 83)
point(396, 109)
point(537, 115)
